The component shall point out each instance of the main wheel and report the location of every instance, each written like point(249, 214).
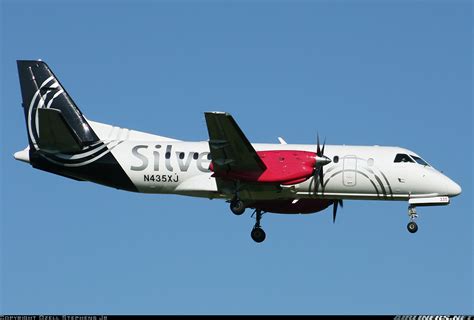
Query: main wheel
point(412, 227)
point(237, 207)
point(258, 235)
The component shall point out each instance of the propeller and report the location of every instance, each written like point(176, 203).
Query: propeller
point(334, 209)
point(321, 161)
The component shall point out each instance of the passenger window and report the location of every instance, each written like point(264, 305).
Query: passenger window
point(403, 158)
point(335, 159)
point(195, 155)
point(181, 155)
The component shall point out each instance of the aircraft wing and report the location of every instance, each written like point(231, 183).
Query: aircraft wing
point(230, 149)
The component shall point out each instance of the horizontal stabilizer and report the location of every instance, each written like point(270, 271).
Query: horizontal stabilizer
point(55, 135)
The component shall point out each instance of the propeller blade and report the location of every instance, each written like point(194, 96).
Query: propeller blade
point(334, 209)
point(318, 149)
point(321, 160)
point(324, 144)
point(315, 179)
point(321, 175)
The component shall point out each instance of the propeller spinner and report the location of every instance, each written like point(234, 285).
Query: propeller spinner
point(321, 161)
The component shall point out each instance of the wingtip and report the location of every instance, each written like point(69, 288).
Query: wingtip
point(215, 112)
point(282, 141)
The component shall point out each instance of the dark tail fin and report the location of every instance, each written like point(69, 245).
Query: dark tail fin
point(53, 121)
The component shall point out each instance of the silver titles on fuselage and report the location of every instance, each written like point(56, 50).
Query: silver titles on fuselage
point(183, 159)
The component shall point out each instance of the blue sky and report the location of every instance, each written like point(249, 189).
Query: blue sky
point(359, 72)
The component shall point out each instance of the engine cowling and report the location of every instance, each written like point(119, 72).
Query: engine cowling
point(283, 166)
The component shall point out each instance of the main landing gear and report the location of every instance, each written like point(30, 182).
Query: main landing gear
point(412, 226)
point(237, 206)
point(257, 234)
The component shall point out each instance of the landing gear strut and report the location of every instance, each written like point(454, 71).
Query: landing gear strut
point(412, 226)
point(257, 234)
point(237, 206)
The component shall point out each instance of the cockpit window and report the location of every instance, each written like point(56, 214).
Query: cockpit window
point(419, 160)
point(401, 157)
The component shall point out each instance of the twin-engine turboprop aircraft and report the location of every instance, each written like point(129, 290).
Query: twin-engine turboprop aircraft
point(276, 178)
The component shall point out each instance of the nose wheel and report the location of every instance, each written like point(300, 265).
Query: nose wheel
point(257, 234)
point(412, 226)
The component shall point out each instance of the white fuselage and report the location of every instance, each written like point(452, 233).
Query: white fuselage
point(277, 178)
point(161, 165)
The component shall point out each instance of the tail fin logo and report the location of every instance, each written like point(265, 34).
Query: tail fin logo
point(40, 100)
point(44, 97)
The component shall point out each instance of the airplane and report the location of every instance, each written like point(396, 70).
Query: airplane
point(268, 178)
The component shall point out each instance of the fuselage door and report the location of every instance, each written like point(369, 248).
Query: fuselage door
point(350, 171)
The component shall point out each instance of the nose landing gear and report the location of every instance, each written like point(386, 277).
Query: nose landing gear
point(412, 226)
point(257, 234)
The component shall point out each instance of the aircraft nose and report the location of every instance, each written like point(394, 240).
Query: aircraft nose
point(453, 189)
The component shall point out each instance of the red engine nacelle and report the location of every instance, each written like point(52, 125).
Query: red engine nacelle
point(284, 167)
